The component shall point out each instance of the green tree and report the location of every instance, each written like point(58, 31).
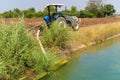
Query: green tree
point(107, 10)
point(93, 6)
point(74, 11)
point(66, 12)
point(39, 14)
point(85, 14)
point(29, 13)
point(97, 3)
point(8, 14)
point(32, 10)
point(17, 12)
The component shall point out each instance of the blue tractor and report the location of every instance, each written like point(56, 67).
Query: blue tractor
point(73, 21)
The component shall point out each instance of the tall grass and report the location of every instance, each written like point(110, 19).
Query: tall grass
point(20, 55)
point(96, 33)
point(56, 36)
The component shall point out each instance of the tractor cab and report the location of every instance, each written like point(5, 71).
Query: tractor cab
point(51, 17)
point(73, 21)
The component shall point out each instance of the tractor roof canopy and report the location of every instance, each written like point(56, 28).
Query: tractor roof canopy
point(57, 5)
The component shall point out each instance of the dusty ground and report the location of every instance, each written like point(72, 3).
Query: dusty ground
point(29, 22)
point(84, 21)
point(93, 21)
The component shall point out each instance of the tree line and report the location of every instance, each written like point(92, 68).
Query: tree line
point(94, 8)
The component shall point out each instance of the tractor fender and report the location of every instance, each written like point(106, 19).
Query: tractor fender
point(47, 19)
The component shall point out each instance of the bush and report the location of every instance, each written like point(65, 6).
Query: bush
point(86, 14)
point(20, 54)
point(56, 36)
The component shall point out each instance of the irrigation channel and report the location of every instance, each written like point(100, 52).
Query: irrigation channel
point(99, 62)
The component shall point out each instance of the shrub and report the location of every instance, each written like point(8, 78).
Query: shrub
point(86, 14)
point(56, 36)
point(20, 54)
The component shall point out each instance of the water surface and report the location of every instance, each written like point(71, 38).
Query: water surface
point(99, 62)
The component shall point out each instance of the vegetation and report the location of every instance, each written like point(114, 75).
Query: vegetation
point(20, 55)
point(56, 36)
point(94, 8)
point(106, 10)
point(21, 58)
point(85, 14)
point(95, 33)
point(98, 9)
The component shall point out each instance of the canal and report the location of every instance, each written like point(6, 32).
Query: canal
point(99, 62)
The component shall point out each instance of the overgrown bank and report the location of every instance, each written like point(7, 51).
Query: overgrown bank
point(87, 36)
point(20, 54)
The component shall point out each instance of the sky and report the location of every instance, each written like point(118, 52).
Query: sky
point(6, 5)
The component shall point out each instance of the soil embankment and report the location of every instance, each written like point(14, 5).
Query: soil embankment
point(84, 21)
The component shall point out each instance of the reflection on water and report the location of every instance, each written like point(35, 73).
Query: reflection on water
point(99, 62)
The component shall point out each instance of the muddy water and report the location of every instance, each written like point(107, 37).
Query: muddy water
point(99, 62)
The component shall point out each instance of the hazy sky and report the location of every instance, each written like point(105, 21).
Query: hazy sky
point(6, 5)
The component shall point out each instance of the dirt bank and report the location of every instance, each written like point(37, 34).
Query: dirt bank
point(84, 21)
point(92, 35)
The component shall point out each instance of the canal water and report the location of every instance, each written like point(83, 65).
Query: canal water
point(99, 62)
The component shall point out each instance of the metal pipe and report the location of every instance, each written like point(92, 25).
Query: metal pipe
point(56, 9)
point(49, 12)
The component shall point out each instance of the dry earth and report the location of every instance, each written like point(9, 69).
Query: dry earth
point(84, 21)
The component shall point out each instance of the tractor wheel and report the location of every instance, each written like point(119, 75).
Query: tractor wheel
point(61, 22)
point(76, 26)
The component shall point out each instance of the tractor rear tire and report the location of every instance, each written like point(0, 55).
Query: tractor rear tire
point(61, 22)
